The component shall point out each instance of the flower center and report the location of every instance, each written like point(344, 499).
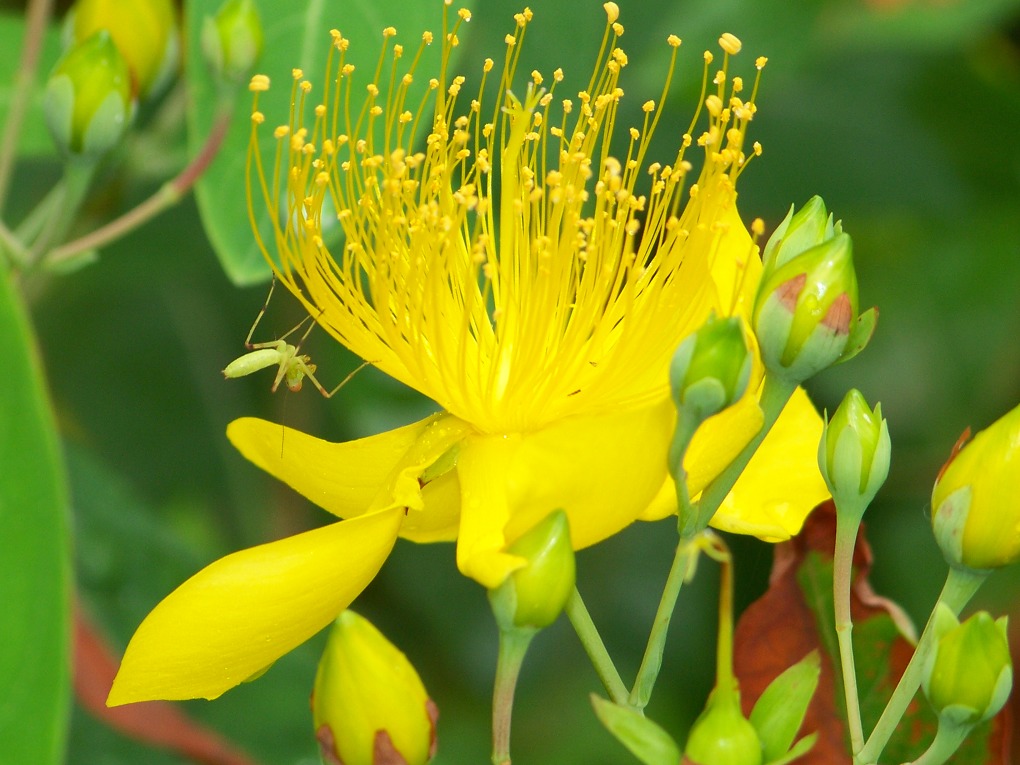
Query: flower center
point(508, 269)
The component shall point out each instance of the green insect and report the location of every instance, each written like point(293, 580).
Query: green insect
point(293, 366)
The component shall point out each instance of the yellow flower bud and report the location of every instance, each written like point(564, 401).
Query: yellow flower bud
point(144, 31)
point(369, 705)
point(970, 675)
point(232, 40)
point(87, 100)
point(976, 499)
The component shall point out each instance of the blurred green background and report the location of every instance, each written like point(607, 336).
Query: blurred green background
point(903, 116)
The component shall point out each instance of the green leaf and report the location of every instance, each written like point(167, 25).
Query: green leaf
point(780, 710)
point(35, 558)
point(642, 737)
point(296, 36)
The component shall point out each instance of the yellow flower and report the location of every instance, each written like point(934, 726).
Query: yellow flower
point(512, 272)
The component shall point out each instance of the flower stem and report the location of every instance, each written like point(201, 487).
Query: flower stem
point(774, 397)
point(589, 636)
point(60, 214)
point(168, 195)
point(513, 645)
point(960, 586)
point(948, 739)
point(720, 553)
point(651, 662)
point(38, 16)
point(847, 525)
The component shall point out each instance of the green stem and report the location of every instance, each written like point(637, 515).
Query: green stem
point(77, 178)
point(513, 645)
point(37, 18)
point(847, 525)
point(589, 636)
point(724, 682)
point(168, 195)
point(959, 588)
point(651, 662)
point(774, 397)
point(948, 739)
point(13, 250)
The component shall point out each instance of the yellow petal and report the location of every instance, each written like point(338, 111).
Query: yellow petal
point(239, 614)
point(602, 470)
point(736, 267)
point(355, 477)
point(781, 484)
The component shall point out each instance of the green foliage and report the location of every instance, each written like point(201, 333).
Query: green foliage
point(35, 564)
point(779, 711)
point(642, 737)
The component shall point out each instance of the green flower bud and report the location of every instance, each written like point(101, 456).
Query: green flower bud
point(144, 31)
point(799, 231)
point(711, 368)
point(853, 454)
point(369, 705)
point(805, 309)
point(232, 40)
point(976, 499)
point(87, 101)
point(535, 594)
point(722, 735)
point(970, 674)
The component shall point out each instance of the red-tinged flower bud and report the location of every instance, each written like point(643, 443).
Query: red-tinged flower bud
point(805, 309)
point(369, 705)
point(976, 499)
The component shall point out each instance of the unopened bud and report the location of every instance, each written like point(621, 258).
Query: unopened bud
point(799, 232)
point(534, 595)
point(722, 735)
point(853, 454)
point(87, 101)
point(711, 368)
point(806, 308)
point(976, 500)
point(369, 705)
point(970, 675)
point(232, 39)
point(144, 31)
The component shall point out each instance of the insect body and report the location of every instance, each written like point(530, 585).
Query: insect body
point(293, 366)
